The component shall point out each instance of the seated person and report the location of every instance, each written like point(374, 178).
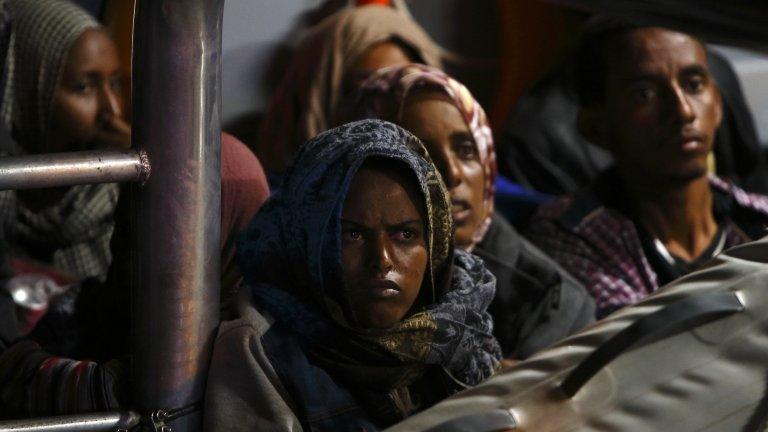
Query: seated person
point(537, 302)
point(646, 95)
point(357, 311)
point(328, 63)
point(90, 321)
point(541, 148)
point(62, 95)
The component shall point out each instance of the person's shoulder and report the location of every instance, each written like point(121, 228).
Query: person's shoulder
point(251, 323)
point(575, 212)
point(747, 200)
point(500, 238)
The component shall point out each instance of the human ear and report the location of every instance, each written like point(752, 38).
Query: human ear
point(718, 106)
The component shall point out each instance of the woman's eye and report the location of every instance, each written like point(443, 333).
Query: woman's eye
point(114, 83)
point(82, 87)
point(467, 150)
point(352, 235)
point(695, 85)
point(407, 234)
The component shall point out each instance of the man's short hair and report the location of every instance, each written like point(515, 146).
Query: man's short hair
point(589, 65)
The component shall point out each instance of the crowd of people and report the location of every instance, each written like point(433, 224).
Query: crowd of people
point(379, 276)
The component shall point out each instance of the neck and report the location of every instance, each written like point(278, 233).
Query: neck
point(679, 214)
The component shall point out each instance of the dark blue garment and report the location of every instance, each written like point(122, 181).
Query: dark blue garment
point(516, 202)
point(322, 403)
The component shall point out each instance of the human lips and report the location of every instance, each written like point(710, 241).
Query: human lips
point(382, 288)
point(690, 141)
point(460, 211)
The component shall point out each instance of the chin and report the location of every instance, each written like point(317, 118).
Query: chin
point(688, 174)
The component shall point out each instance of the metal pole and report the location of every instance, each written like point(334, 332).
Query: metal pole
point(97, 422)
point(68, 169)
point(176, 112)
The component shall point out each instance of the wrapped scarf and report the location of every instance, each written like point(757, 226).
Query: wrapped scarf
point(291, 258)
point(74, 233)
point(307, 100)
point(384, 93)
point(43, 32)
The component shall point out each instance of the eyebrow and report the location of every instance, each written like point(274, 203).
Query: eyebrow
point(408, 222)
point(418, 221)
point(693, 69)
point(462, 134)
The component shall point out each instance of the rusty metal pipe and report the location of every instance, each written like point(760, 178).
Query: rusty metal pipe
point(95, 422)
point(67, 169)
point(176, 112)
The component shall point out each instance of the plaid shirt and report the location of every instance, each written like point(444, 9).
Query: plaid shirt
point(600, 245)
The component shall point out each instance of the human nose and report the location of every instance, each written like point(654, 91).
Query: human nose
point(380, 254)
point(681, 106)
point(451, 171)
point(111, 102)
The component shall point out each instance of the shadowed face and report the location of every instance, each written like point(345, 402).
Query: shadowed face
point(381, 55)
point(661, 107)
point(384, 251)
point(87, 107)
point(436, 121)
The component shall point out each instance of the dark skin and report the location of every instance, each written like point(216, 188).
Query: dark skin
point(435, 120)
point(658, 118)
point(87, 107)
point(384, 249)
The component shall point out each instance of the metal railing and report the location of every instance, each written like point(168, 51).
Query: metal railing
point(175, 291)
point(111, 421)
point(67, 169)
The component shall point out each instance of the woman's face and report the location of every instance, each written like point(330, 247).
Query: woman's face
point(384, 250)
point(87, 107)
point(439, 125)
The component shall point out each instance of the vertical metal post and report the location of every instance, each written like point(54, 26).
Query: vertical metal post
point(176, 112)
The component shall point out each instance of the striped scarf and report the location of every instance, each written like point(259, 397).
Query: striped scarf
point(73, 234)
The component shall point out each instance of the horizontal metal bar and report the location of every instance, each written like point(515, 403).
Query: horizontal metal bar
point(67, 169)
point(108, 421)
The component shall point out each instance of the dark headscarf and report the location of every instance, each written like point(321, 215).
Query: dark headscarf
point(291, 258)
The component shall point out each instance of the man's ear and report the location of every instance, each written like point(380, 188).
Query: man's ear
point(592, 126)
point(719, 102)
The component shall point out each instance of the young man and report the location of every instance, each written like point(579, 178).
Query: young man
point(647, 96)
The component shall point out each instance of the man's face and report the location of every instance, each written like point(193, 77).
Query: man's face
point(661, 107)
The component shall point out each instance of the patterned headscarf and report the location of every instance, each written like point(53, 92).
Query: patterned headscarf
point(43, 33)
point(384, 93)
point(291, 258)
point(73, 234)
point(307, 100)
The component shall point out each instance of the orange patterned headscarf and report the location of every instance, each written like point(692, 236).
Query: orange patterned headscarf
point(383, 95)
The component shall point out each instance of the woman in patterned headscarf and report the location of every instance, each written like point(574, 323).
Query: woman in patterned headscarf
point(328, 63)
point(536, 302)
point(62, 94)
point(357, 312)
